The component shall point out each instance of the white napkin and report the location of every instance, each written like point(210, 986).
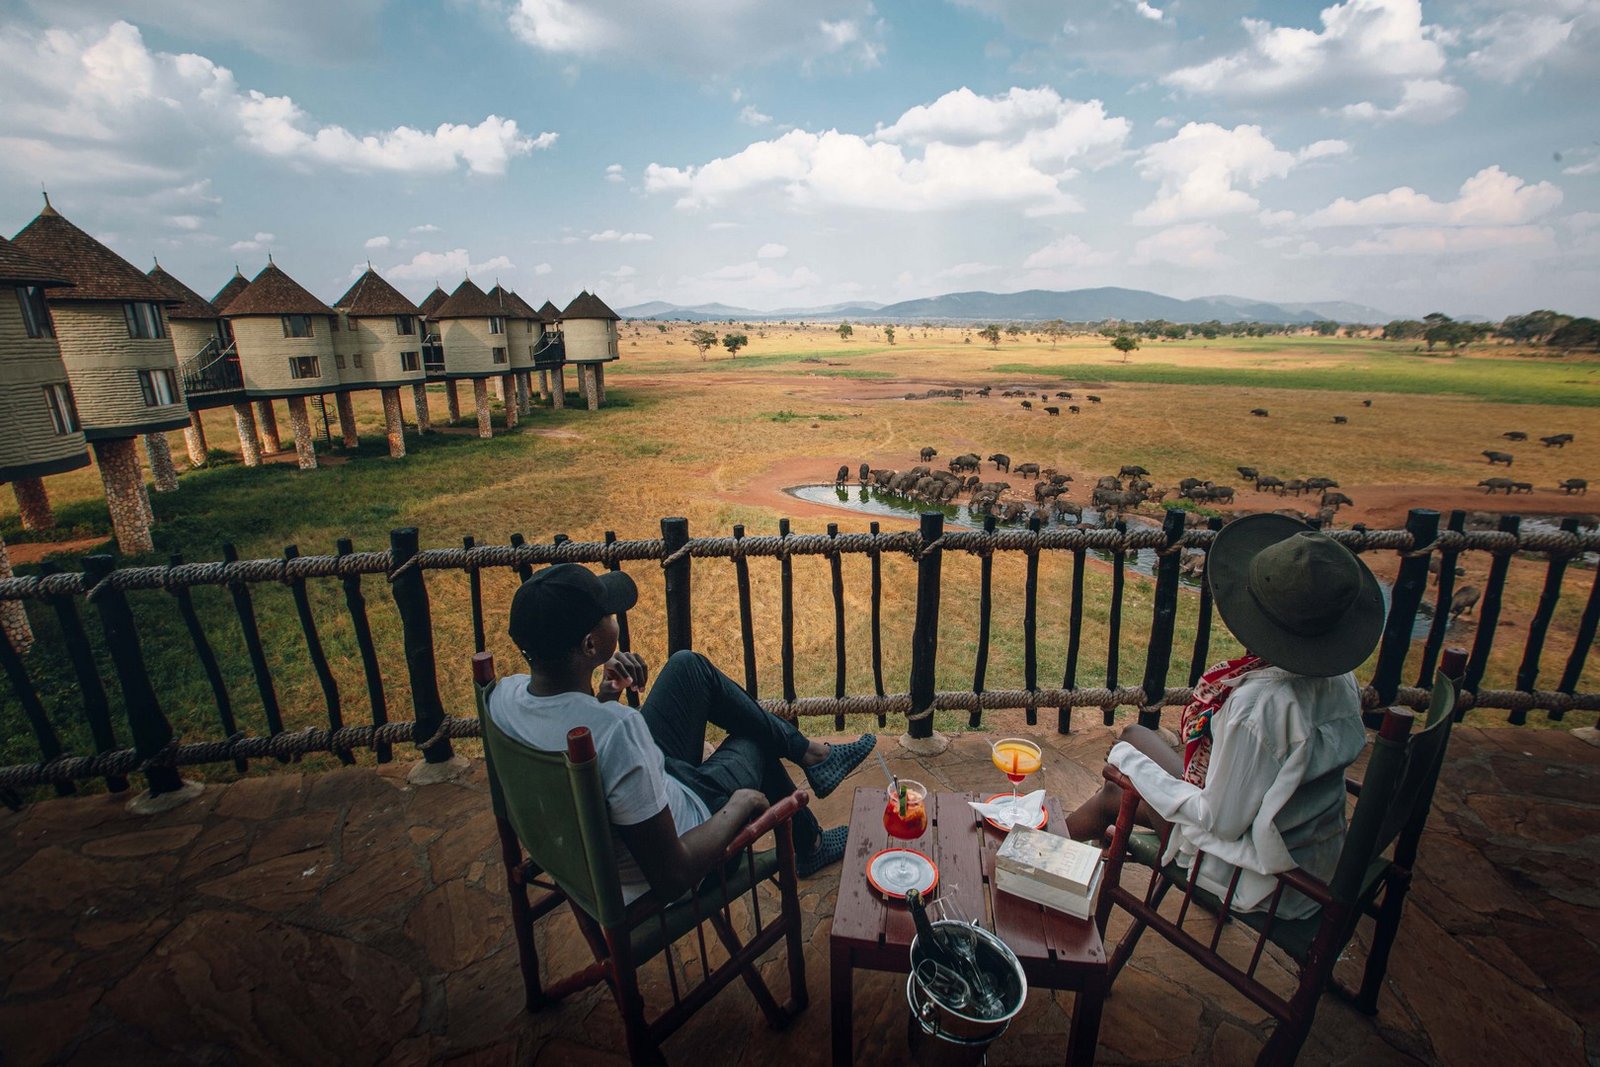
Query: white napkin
point(1027, 812)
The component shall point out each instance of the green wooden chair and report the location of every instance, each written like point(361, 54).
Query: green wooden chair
point(1392, 804)
point(550, 810)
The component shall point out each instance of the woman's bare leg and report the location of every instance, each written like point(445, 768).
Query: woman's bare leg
point(1092, 817)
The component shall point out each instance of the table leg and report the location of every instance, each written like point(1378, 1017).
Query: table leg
point(1085, 1034)
point(842, 1001)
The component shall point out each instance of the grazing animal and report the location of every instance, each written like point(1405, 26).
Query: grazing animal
point(920, 472)
point(1028, 404)
point(1336, 501)
point(1493, 485)
point(1026, 470)
point(967, 461)
point(1319, 484)
point(985, 390)
point(1115, 498)
point(1433, 569)
point(1558, 440)
point(1132, 471)
point(843, 475)
point(1058, 479)
point(1366, 403)
point(1063, 396)
point(1001, 461)
point(882, 477)
point(1464, 600)
point(1044, 396)
point(1052, 410)
point(1293, 485)
point(1072, 409)
point(1522, 487)
point(1248, 473)
point(1514, 435)
point(1259, 413)
point(1339, 420)
point(866, 473)
point(1497, 457)
point(993, 487)
point(1108, 482)
point(1268, 481)
point(1574, 485)
point(929, 453)
point(1222, 493)
point(1092, 398)
point(1189, 483)
point(1013, 511)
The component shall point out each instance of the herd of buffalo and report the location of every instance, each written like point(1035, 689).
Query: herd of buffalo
point(1508, 486)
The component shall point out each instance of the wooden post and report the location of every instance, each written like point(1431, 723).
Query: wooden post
point(244, 607)
point(980, 668)
point(1163, 622)
point(1030, 622)
point(1445, 592)
point(357, 603)
point(525, 396)
point(33, 710)
point(267, 424)
point(194, 440)
point(96, 709)
point(624, 638)
point(680, 626)
point(33, 504)
point(305, 446)
point(208, 660)
point(475, 592)
point(148, 724)
point(925, 632)
point(410, 593)
point(1412, 581)
point(1528, 673)
point(319, 659)
point(747, 639)
point(1069, 673)
point(452, 401)
point(785, 608)
point(1202, 625)
point(480, 398)
point(544, 385)
point(13, 613)
point(835, 568)
point(524, 570)
point(159, 451)
point(419, 404)
point(1489, 609)
point(1587, 625)
point(1119, 580)
point(597, 387)
point(244, 424)
point(124, 486)
point(875, 555)
point(345, 405)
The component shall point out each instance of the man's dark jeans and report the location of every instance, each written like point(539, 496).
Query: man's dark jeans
point(690, 692)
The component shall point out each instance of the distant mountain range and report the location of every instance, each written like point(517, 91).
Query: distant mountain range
point(1035, 305)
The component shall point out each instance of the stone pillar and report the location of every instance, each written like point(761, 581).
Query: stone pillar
point(267, 424)
point(347, 419)
point(525, 392)
point(13, 615)
point(597, 387)
point(558, 387)
point(498, 384)
point(394, 423)
point(144, 495)
point(305, 447)
point(33, 504)
point(480, 395)
point(419, 403)
point(124, 485)
point(508, 389)
point(159, 451)
point(453, 398)
point(194, 440)
point(544, 385)
point(244, 423)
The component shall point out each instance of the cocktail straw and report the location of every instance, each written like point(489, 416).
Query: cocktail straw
point(894, 783)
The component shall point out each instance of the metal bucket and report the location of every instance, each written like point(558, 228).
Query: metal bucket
point(946, 1026)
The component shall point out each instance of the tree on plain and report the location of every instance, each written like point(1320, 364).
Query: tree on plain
point(888, 334)
point(991, 333)
point(1055, 329)
point(1124, 343)
point(733, 342)
point(845, 330)
point(703, 340)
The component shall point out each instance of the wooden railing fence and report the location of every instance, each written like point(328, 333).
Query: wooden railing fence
point(157, 753)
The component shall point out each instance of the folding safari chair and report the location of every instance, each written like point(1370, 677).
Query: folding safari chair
point(552, 805)
point(1392, 804)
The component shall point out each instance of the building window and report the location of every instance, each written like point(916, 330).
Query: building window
point(410, 361)
point(405, 325)
point(304, 367)
point(297, 326)
point(499, 355)
point(35, 315)
point(338, 361)
point(358, 360)
point(159, 388)
point(63, 410)
point(350, 324)
point(144, 321)
point(497, 324)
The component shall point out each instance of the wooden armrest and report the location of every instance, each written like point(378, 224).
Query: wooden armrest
point(1352, 787)
point(1312, 887)
point(767, 821)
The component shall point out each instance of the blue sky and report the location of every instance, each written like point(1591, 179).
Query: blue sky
point(1415, 157)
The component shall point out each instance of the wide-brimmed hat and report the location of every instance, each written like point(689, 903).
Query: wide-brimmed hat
point(1295, 597)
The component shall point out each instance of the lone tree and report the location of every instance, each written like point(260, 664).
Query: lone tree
point(845, 330)
point(733, 342)
point(991, 333)
point(1124, 343)
point(888, 334)
point(703, 340)
point(1055, 329)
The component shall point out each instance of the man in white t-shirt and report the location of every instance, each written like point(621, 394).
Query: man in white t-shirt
point(672, 808)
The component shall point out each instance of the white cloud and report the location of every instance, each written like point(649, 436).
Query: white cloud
point(620, 237)
point(1364, 47)
point(98, 105)
point(1068, 250)
point(1450, 240)
point(751, 117)
point(700, 37)
point(1490, 197)
point(294, 31)
point(1201, 168)
point(1583, 221)
point(259, 243)
point(1275, 218)
point(1193, 244)
point(1421, 100)
point(614, 172)
point(624, 271)
point(541, 268)
point(772, 250)
point(1523, 39)
point(1151, 13)
point(426, 227)
point(723, 226)
point(433, 266)
point(960, 151)
point(967, 270)
point(380, 241)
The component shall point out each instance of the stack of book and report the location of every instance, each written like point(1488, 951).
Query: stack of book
point(1051, 870)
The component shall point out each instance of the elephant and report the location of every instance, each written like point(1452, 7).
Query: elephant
point(1259, 413)
point(1494, 485)
point(1336, 501)
point(843, 475)
point(1497, 457)
point(1249, 474)
point(1340, 420)
point(1001, 461)
point(1514, 435)
point(929, 453)
point(1132, 471)
point(1026, 470)
point(1464, 600)
point(1574, 485)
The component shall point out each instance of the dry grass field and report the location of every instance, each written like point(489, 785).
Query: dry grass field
point(717, 440)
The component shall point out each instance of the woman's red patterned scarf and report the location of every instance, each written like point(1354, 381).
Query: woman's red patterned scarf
point(1194, 725)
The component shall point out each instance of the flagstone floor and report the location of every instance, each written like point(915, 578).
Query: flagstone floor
point(348, 918)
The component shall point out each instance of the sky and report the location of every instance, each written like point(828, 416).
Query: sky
point(1410, 156)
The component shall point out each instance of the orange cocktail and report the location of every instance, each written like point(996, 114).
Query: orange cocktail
point(905, 810)
point(1016, 758)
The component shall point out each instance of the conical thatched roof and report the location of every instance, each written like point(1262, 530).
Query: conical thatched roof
point(372, 296)
point(96, 272)
point(431, 302)
point(17, 266)
point(230, 292)
point(272, 292)
point(524, 310)
point(588, 306)
point(190, 304)
point(511, 305)
point(468, 302)
point(549, 312)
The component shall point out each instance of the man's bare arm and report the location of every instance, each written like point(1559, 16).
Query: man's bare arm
point(674, 864)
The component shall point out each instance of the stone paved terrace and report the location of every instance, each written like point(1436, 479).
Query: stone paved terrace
point(347, 918)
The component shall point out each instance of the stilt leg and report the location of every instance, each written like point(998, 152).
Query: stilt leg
point(244, 423)
point(508, 389)
point(480, 395)
point(347, 420)
point(394, 423)
point(33, 504)
point(558, 387)
point(305, 447)
point(267, 424)
point(419, 403)
point(194, 440)
point(159, 451)
point(13, 614)
point(453, 398)
point(124, 485)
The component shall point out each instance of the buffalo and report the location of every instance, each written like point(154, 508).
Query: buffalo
point(1340, 420)
point(1558, 440)
point(1063, 396)
point(1072, 409)
point(866, 474)
point(1464, 600)
point(1366, 403)
point(1268, 481)
point(843, 475)
point(1494, 485)
point(929, 453)
point(1514, 435)
point(1092, 398)
point(1497, 457)
point(1248, 473)
point(967, 461)
point(1052, 410)
point(1574, 485)
point(1259, 413)
point(1026, 470)
point(1028, 404)
point(1132, 471)
point(1336, 501)
point(1522, 487)
point(1001, 461)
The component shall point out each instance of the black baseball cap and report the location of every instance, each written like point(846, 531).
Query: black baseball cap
point(558, 605)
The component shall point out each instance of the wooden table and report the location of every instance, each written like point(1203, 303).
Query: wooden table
point(1056, 950)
